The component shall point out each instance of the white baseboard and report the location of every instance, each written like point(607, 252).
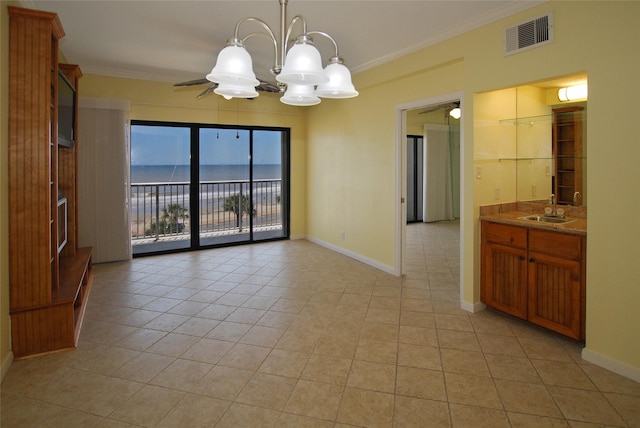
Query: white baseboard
point(611, 364)
point(473, 307)
point(374, 263)
point(294, 237)
point(6, 365)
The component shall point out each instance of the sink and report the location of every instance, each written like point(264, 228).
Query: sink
point(543, 219)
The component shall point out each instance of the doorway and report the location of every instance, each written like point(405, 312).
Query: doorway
point(433, 164)
point(404, 127)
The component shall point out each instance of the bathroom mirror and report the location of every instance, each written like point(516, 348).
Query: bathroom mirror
point(550, 143)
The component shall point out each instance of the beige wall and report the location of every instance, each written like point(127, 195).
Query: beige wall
point(352, 154)
point(352, 157)
point(344, 153)
point(163, 102)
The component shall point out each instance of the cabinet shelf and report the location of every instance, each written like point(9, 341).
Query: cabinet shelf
point(514, 159)
point(74, 273)
point(567, 146)
point(561, 118)
point(527, 120)
point(531, 159)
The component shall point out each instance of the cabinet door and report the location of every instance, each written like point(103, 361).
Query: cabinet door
point(554, 294)
point(504, 279)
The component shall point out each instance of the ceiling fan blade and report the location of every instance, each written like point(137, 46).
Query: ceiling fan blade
point(447, 106)
point(193, 82)
point(264, 86)
point(207, 91)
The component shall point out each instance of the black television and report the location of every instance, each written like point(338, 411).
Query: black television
point(66, 111)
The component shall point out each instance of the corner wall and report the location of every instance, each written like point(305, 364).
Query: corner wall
point(352, 165)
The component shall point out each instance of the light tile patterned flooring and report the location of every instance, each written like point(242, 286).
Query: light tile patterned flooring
point(290, 334)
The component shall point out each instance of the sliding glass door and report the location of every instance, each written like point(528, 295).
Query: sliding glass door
point(225, 197)
point(269, 186)
point(233, 190)
point(160, 188)
point(241, 182)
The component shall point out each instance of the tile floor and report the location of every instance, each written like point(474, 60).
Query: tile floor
point(290, 334)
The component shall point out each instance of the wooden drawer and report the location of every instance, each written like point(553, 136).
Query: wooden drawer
point(504, 234)
point(556, 244)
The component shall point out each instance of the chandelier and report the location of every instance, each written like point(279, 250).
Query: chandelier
point(297, 65)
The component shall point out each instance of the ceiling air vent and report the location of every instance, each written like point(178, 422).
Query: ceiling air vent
point(529, 34)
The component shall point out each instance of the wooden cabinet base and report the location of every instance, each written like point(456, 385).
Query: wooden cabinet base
point(536, 275)
point(56, 326)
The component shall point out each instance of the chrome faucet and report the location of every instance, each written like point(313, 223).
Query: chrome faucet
point(554, 203)
point(577, 199)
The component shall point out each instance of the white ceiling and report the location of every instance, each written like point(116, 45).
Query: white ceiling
point(179, 40)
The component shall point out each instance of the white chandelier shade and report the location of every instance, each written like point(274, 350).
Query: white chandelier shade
point(300, 95)
point(339, 84)
point(298, 69)
point(234, 66)
point(302, 65)
point(236, 91)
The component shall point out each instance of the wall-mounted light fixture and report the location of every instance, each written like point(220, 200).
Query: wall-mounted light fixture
point(571, 93)
point(455, 113)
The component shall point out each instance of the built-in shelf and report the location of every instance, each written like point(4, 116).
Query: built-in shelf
point(546, 119)
point(543, 119)
point(568, 150)
point(549, 158)
point(49, 280)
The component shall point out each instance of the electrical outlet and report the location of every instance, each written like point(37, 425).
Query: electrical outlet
point(342, 235)
point(478, 172)
point(547, 171)
point(496, 194)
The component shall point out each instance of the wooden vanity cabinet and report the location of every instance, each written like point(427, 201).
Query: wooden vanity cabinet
point(536, 275)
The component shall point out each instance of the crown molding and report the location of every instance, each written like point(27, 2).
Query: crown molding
point(510, 9)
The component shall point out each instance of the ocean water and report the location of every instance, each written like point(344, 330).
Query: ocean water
point(181, 173)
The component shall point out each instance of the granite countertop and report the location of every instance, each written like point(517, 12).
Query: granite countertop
point(577, 226)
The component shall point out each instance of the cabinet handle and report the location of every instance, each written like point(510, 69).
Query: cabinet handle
point(532, 260)
point(521, 258)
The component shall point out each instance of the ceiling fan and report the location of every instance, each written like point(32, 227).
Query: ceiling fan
point(264, 86)
point(446, 107)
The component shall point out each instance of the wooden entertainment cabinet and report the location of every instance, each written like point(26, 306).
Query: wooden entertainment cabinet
point(49, 279)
